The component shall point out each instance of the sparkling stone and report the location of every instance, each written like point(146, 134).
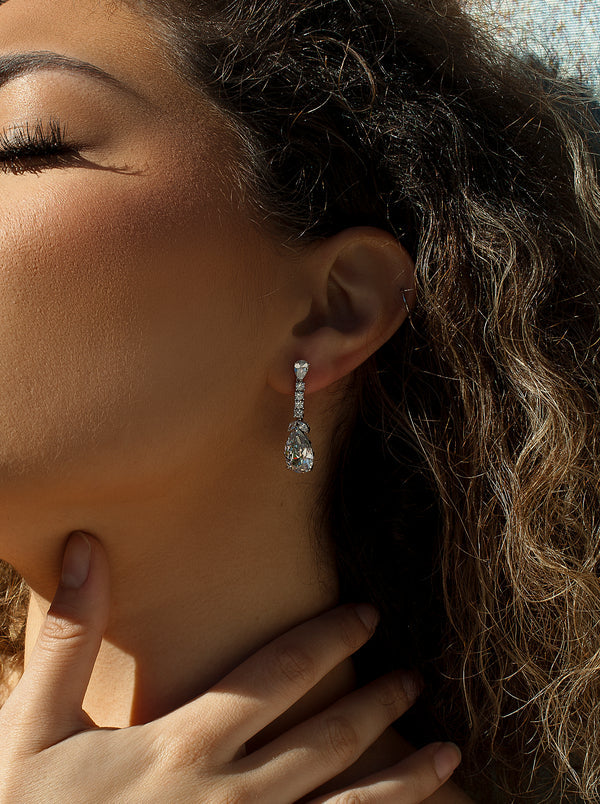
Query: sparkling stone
point(299, 454)
point(301, 367)
point(300, 425)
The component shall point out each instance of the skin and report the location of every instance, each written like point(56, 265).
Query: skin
point(197, 752)
point(148, 330)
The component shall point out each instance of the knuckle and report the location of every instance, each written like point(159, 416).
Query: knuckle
point(62, 626)
point(354, 797)
point(341, 738)
point(294, 665)
point(176, 752)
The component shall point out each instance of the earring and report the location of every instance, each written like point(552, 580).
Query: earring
point(299, 455)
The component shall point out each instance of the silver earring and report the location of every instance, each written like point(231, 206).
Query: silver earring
point(299, 455)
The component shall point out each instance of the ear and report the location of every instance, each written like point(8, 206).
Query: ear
point(360, 284)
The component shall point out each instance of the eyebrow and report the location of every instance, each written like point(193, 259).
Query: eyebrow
point(14, 64)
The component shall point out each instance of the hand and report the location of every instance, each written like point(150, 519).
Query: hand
point(51, 751)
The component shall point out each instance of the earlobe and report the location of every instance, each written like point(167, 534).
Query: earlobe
point(361, 282)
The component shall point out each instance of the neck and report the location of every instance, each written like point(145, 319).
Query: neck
point(187, 608)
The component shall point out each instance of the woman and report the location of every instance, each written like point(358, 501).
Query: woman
point(255, 184)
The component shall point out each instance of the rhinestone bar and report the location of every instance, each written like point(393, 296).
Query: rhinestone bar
point(300, 370)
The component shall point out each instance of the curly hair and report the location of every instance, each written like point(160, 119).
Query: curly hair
point(14, 597)
point(463, 496)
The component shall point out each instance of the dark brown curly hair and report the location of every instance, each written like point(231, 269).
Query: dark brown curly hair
point(464, 495)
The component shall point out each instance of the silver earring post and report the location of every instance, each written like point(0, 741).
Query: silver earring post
point(299, 455)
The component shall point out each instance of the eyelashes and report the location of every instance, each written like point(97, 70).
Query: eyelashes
point(29, 150)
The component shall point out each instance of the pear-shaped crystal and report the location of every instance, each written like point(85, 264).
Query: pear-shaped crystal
point(301, 368)
point(299, 454)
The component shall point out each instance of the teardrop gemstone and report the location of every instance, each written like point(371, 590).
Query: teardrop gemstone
point(299, 453)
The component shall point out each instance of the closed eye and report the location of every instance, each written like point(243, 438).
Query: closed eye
point(23, 150)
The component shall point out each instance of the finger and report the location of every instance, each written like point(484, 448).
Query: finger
point(272, 679)
point(54, 683)
point(324, 745)
point(409, 782)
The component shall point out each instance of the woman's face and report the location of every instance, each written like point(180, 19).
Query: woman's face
point(131, 284)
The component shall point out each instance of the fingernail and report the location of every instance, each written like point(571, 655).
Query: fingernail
point(368, 614)
point(413, 685)
point(446, 759)
point(76, 561)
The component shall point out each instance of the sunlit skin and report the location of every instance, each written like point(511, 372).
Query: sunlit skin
point(148, 330)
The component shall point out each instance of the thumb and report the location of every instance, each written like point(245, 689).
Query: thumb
point(58, 672)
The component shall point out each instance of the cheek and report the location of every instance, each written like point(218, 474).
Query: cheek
point(121, 322)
